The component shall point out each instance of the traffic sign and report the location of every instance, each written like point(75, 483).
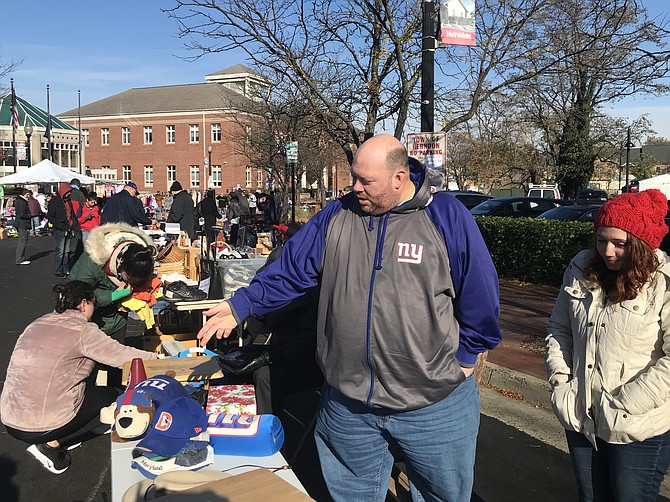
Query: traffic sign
point(430, 148)
point(291, 151)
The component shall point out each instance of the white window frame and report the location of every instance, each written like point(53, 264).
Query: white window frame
point(171, 174)
point(194, 176)
point(127, 173)
point(194, 133)
point(259, 178)
point(216, 133)
point(125, 135)
point(216, 176)
point(86, 136)
point(104, 136)
point(247, 176)
point(148, 176)
point(170, 134)
point(148, 135)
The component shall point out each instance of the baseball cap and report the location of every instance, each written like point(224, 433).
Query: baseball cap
point(161, 389)
point(175, 423)
point(132, 185)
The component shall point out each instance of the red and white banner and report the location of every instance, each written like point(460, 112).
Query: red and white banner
point(457, 22)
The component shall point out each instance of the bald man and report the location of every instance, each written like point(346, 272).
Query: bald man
point(408, 299)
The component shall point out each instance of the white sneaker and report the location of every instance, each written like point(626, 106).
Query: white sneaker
point(25, 262)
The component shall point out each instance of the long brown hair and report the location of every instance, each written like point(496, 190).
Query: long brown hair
point(637, 268)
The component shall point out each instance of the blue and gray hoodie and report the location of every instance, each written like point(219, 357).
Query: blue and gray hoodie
point(406, 298)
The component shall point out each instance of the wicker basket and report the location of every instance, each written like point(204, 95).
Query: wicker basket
point(171, 254)
point(168, 268)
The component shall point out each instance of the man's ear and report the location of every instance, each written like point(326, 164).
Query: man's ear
point(399, 177)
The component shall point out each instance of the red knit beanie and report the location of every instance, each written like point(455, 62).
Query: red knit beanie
point(640, 214)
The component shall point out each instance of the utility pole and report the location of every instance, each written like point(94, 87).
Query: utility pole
point(428, 67)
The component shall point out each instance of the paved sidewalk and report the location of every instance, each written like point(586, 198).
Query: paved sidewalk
point(524, 313)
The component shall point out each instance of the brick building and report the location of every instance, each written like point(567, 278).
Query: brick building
point(187, 133)
point(157, 135)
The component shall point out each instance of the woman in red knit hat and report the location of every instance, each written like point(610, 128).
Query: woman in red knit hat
point(608, 353)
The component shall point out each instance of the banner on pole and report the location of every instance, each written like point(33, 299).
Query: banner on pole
point(291, 152)
point(457, 22)
point(21, 150)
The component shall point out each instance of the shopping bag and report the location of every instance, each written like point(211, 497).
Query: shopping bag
point(211, 275)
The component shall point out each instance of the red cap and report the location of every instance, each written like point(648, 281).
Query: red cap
point(640, 214)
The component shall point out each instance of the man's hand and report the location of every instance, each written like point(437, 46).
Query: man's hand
point(467, 371)
point(221, 323)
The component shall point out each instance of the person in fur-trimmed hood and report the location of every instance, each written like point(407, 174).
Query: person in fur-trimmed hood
point(118, 260)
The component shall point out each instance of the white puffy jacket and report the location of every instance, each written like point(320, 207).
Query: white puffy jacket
point(609, 364)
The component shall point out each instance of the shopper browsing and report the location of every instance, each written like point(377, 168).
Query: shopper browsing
point(49, 399)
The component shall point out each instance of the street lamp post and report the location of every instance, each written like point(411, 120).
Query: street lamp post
point(629, 145)
point(209, 159)
point(28, 129)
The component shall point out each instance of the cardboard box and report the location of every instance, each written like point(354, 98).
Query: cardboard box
point(231, 399)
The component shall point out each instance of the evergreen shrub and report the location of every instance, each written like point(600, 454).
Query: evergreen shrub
point(530, 250)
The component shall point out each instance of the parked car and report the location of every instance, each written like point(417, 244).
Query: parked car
point(517, 207)
point(582, 213)
point(591, 196)
point(632, 187)
point(470, 198)
point(544, 191)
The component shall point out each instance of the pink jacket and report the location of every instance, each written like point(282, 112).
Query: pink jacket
point(45, 383)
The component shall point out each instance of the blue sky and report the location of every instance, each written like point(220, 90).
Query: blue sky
point(103, 48)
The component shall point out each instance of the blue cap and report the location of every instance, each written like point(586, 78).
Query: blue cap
point(175, 423)
point(131, 185)
point(161, 388)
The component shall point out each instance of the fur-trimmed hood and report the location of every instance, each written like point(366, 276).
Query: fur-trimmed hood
point(103, 239)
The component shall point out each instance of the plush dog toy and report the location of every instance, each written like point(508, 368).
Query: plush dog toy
point(135, 408)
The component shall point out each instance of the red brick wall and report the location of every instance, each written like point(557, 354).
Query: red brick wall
point(182, 154)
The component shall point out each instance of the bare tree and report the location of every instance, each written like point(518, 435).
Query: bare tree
point(603, 50)
point(353, 63)
point(6, 69)
point(359, 61)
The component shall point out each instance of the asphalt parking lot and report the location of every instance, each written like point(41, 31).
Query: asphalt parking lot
point(25, 294)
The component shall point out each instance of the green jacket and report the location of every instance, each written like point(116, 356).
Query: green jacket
point(107, 315)
point(90, 268)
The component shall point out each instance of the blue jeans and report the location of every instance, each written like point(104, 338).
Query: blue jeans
point(439, 443)
point(35, 224)
point(619, 472)
point(61, 252)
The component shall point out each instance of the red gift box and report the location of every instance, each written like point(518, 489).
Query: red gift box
point(232, 399)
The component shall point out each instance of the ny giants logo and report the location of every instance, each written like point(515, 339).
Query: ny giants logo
point(230, 424)
point(410, 253)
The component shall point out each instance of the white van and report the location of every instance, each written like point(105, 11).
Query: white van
point(543, 191)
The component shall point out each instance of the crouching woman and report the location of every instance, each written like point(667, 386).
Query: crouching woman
point(608, 349)
point(50, 399)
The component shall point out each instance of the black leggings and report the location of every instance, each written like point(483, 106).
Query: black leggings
point(80, 427)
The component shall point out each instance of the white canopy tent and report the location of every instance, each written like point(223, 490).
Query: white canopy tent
point(45, 172)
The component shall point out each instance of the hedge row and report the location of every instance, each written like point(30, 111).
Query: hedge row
point(530, 250)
